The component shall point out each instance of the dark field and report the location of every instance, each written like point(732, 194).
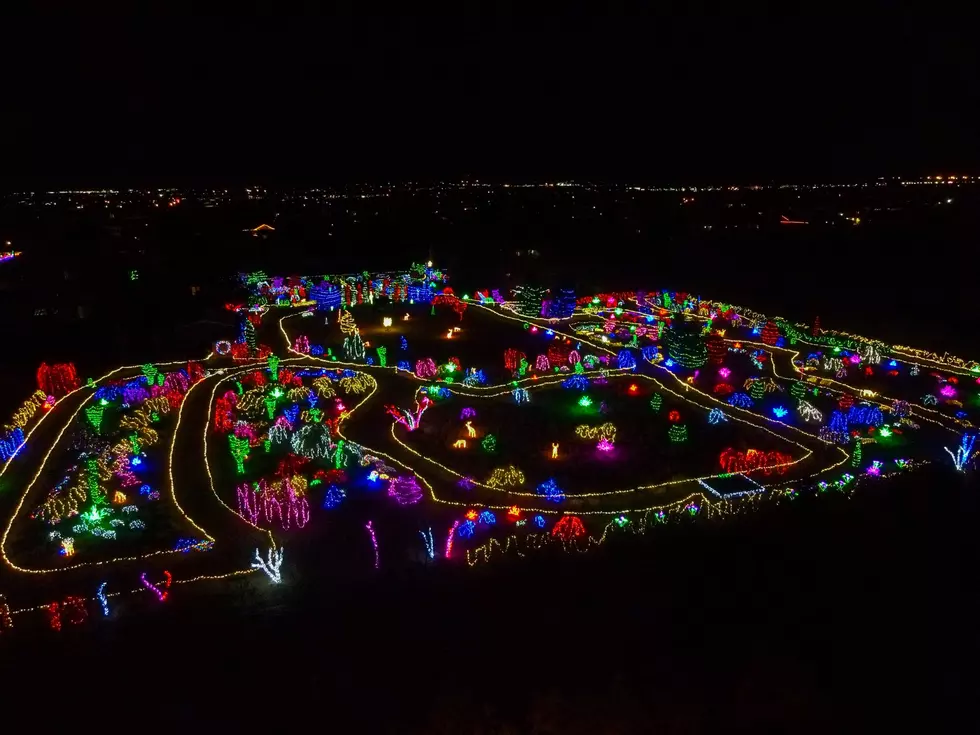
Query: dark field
point(642, 455)
point(814, 616)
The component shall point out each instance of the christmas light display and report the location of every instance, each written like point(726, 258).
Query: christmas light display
point(106, 498)
point(568, 528)
point(405, 490)
point(716, 348)
point(808, 411)
point(57, 380)
point(410, 419)
point(506, 477)
point(753, 460)
point(271, 565)
point(374, 543)
point(530, 300)
point(426, 368)
point(964, 452)
point(740, 400)
point(716, 416)
point(11, 443)
point(605, 431)
point(550, 491)
point(347, 324)
point(677, 433)
point(163, 590)
point(354, 347)
point(684, 344)
point(856, 454)
point(239, 451)
point(770, 333)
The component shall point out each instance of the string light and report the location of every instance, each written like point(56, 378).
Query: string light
point(271, 565)
point(427, 539)
point(161, 592)
point(691, 505)
point(374, 543)
point(101, 597)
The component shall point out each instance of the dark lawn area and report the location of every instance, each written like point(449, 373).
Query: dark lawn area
point(525, 433)
point(818, 615)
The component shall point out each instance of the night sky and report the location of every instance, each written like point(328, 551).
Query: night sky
point(93, 101)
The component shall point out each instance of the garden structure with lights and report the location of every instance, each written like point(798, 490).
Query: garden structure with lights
point(381, 419)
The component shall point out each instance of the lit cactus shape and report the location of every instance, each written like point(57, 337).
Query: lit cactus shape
point(354, 347)
point(270, 405)
point(92, 480)
point(856, 454)
point(94, 415)
point(270, 565)
point(151, 372)
point(274, 369)
point(161, 378)
point(134, 443)
point(963, 453)
point(383, 357)
point(239, 451)
point(339, 460)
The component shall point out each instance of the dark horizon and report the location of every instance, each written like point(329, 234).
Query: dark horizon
point(655, 98)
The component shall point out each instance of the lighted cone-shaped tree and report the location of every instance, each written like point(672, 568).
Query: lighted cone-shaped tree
point(716, 348)
point(770, 333)
point(529, 300)
point(239, 451)
point(685, 345)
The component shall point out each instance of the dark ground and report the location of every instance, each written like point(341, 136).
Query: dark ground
point(824, 615)
point(821, 615)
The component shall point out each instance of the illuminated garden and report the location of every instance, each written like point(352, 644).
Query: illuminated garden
point(376, 420)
